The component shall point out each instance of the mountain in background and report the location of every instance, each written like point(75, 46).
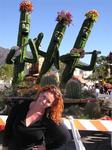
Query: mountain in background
point(3, 55)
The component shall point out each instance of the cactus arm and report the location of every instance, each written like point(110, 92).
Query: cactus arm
point(43, 54)
point(68, 58)
point(37, 44)
point(65, 58)
point(92, 63)
point(39, 40)
point(33, 51)
point(10, 56)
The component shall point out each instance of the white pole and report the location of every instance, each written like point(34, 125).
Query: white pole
point(77, 138)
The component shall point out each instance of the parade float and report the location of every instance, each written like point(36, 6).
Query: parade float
point(17, 56)
point(84, 110)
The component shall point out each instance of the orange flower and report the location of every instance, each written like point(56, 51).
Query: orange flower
point(26, 5)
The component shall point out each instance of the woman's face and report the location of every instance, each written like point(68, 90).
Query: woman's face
point(46, 99)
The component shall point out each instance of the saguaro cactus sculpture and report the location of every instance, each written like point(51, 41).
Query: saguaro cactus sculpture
point(72, 59)
point(86, 28)
point(22, 42)
point(52, 55)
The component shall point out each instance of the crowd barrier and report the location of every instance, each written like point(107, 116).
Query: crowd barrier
point(75, 125)
point(90, 125)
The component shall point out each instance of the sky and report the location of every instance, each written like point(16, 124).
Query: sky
point(43, 19)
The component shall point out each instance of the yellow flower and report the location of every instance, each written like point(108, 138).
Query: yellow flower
point(93, 14)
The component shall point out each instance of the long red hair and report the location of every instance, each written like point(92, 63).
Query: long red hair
point(57, 107)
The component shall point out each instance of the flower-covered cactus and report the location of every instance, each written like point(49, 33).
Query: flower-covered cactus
point(86, 28)
point(52, 55)
point(23, 40)
point(77, 51)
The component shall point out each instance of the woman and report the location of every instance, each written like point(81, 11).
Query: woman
point(36, 125)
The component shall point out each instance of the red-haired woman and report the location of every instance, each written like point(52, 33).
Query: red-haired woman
point(36, 125)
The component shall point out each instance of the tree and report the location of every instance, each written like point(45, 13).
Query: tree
point(6, 72)
point(101, 69)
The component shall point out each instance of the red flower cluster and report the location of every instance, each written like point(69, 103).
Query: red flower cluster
point(26, 5)
point(64, 17)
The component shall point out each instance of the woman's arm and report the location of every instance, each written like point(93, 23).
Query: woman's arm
point(8, 127)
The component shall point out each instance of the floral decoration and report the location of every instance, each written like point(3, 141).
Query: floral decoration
point(64, 17)
point(26, 5)
point(93, 14)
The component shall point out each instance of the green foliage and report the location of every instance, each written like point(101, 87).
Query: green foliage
point(101, 69)
point(6, 72)
point(87, 93)
point(75, 111)
point(109, 80)
point(93, 110)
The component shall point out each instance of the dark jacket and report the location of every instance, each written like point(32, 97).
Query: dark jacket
point(19, 137)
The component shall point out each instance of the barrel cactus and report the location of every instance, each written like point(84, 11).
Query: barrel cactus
point(49, 80)
point(73, 89)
